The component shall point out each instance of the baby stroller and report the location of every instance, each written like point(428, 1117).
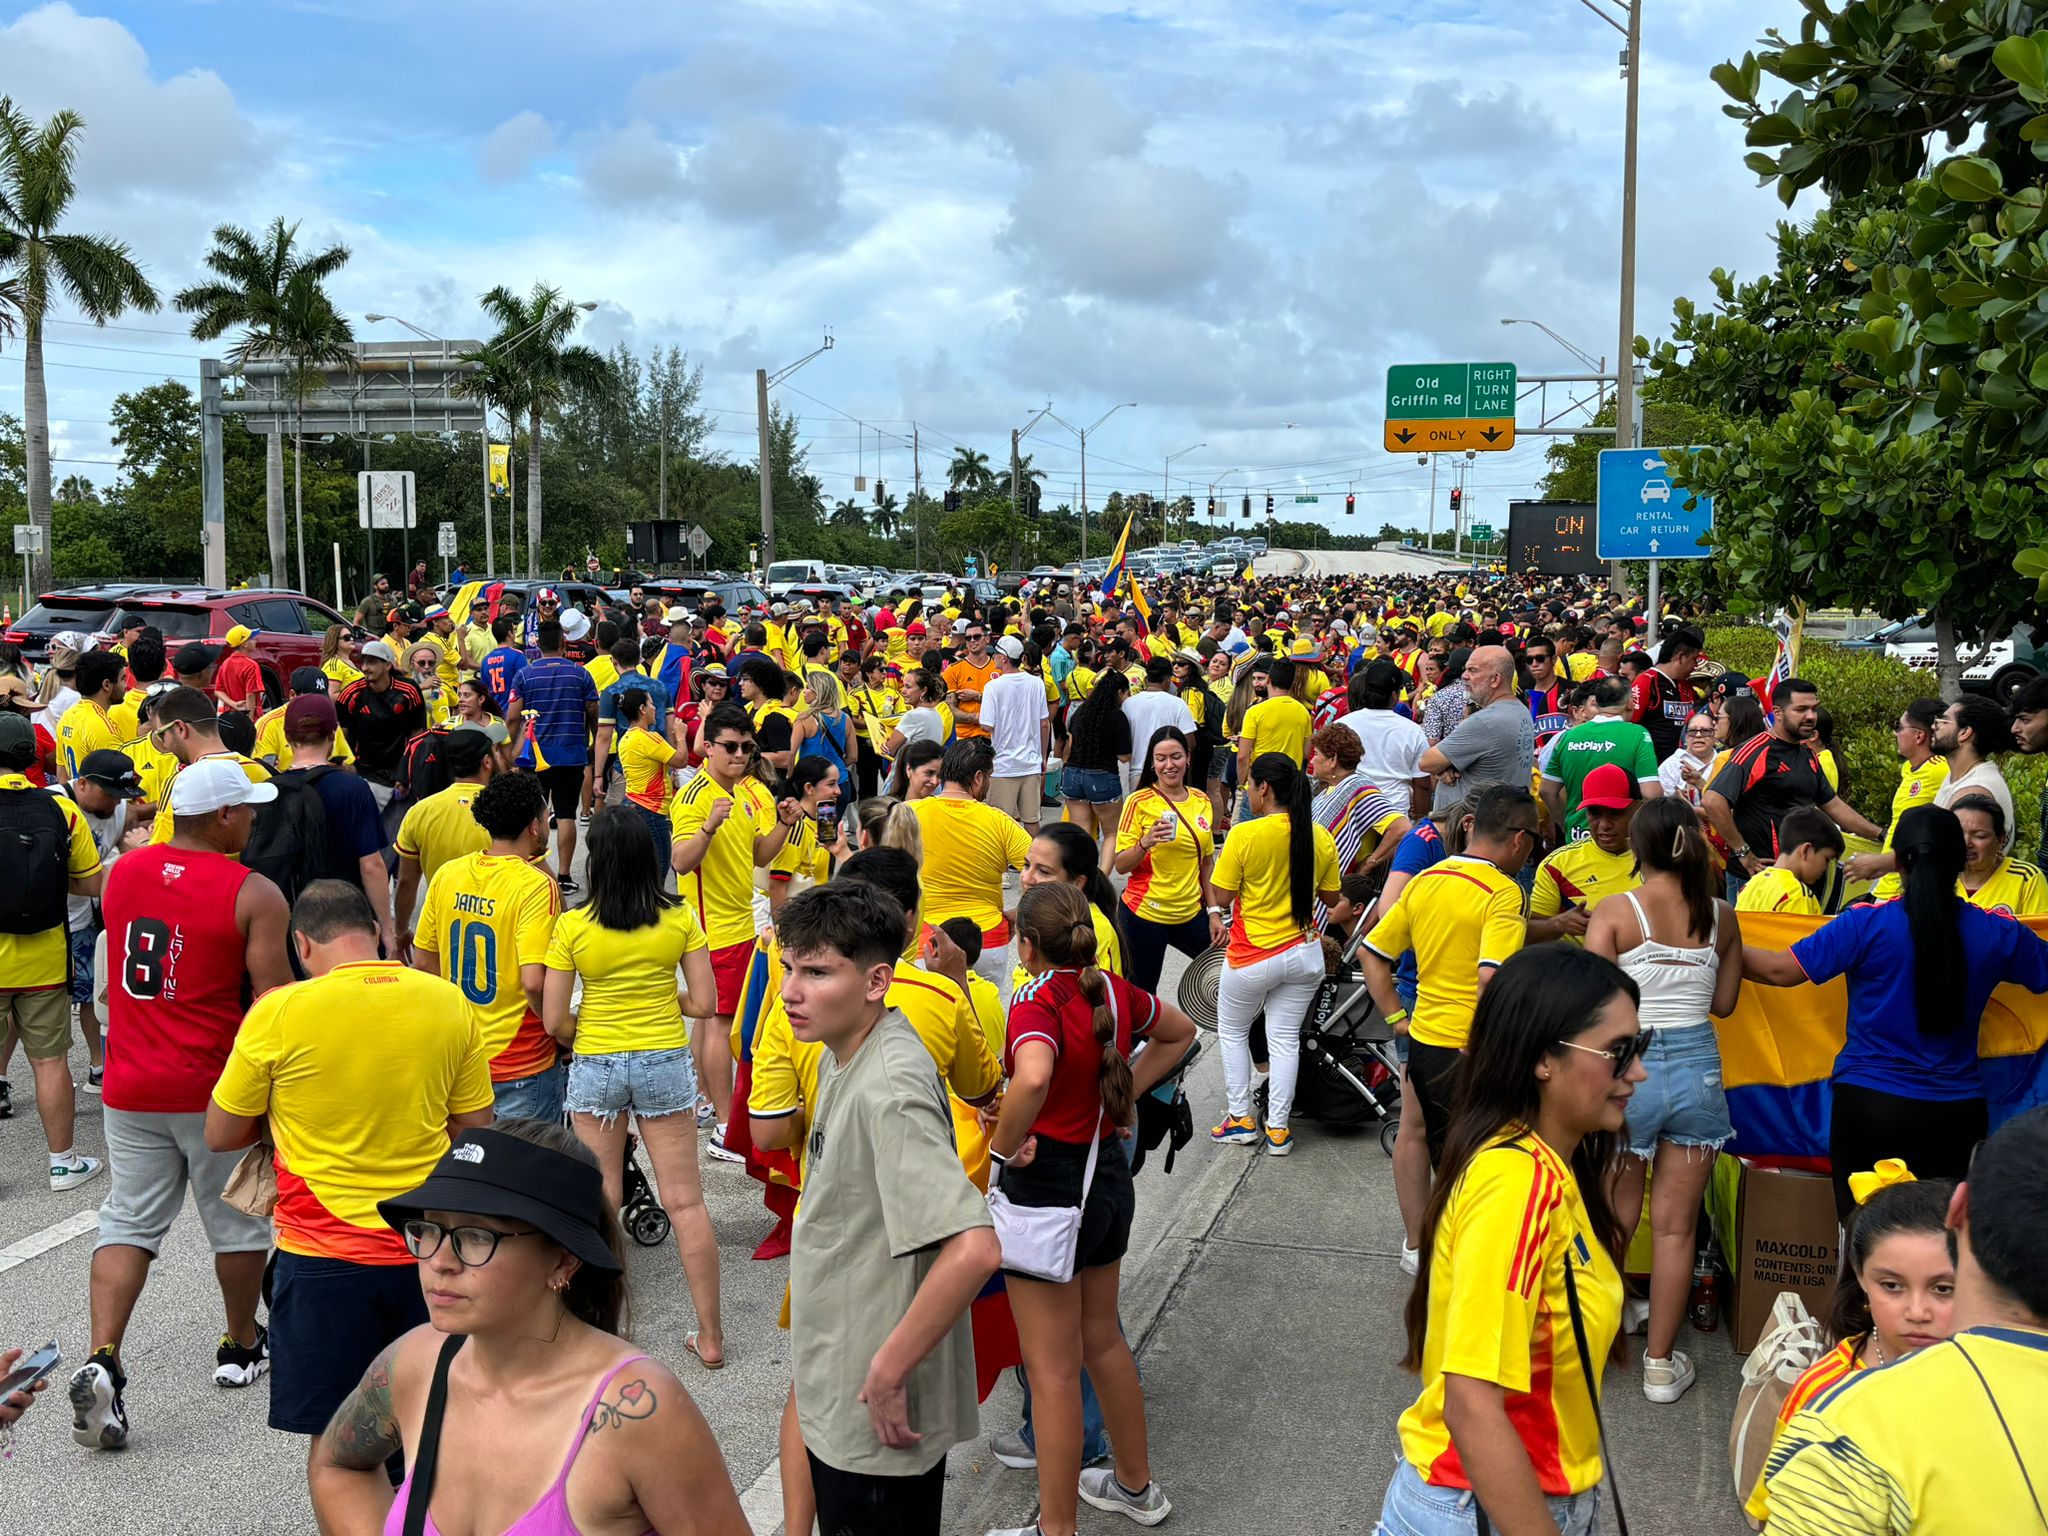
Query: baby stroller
point(640, 1212)
point(1350, 1075)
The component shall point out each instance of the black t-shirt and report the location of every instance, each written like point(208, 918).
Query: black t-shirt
point(1662, 707)
point(1764, 779)
point(1096, 744)
point(380, 723)
point(774, 734)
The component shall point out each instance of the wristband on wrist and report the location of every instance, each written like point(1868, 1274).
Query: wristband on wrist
point(1398, 1016)
point(997, 1158)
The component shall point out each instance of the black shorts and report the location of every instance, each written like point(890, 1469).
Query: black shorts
point(872, 1504)
point(1054, 1178)
point(564, 785)
point(1433, 1069)
point(329, 1319)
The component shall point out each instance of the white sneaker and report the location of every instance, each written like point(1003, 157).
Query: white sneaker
point(1012, 1451)
point(715, 1146)
point(74, 1173)
point(1635, 1315)
point(1411, 1259)
point(1100, 1488)
point(1666, 1381)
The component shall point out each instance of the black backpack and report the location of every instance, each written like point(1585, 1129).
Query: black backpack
point(421, 772)
point(35, 850)
point(288, 842)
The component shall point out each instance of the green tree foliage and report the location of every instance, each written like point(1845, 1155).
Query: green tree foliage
point(1947, 365)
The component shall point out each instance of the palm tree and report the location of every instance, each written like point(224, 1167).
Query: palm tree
point(94, 272)
point(250, 292)
point(11, 303)
point(969, 471)
point(848, 513)
point(888, 513)
point(533, 344)
point(1025, 475)
point(315, 336)
point(497, 384)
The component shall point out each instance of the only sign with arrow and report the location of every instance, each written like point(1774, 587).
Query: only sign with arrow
point(1441, 407)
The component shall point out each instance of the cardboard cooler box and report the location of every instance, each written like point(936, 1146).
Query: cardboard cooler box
point(1777, 1232)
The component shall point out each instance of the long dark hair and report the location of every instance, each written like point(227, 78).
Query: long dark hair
point(1543, 996)
point(1146, 777)
point(1929, 843)
point(1294, 795)
point(915, 755)
point(597, 1296)
point(1921, 1206)
point(1745, 719)
point(1089, 722)
point(625, 876)
point(1055, 919)
point(1081, 862)
point(1667, 837)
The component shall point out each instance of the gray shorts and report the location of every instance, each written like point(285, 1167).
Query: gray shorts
point(151, 1157)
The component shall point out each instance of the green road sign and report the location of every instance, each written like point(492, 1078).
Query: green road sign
point(1483, 532)
point(1300, 499)
point(1451, 392)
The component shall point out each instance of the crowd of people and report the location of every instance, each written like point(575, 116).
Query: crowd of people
point(876, 902)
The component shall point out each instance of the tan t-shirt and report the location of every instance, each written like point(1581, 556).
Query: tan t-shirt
point(883, 1187)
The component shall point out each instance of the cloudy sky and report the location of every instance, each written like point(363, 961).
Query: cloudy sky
point(1234, 214)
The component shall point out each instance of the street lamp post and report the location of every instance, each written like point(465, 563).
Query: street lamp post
point(1219, 480)
point(1082, 433)
point(1166, 487)
point(762, 380)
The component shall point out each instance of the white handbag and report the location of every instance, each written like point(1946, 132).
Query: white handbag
point(1042, 1240)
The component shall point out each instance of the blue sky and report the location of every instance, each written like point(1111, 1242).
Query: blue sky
point(1236, 215)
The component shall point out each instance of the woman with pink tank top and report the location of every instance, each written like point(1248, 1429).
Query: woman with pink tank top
point(519, 1410)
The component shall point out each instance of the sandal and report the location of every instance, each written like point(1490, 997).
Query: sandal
point(690, 1343)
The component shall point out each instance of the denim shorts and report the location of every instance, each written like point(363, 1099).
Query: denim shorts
point(1416, 1508)
point(538, 1097)
point(82, 941)
point(1681, 1100)
point(649, 1083)
point(1097, 786)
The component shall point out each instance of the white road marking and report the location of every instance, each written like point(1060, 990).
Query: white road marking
point(762, 1503)
point(37, 1243)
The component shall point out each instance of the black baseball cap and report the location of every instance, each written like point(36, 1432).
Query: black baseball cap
point(113, 771)
point(308, 680)
point(193, 659)
point(489, 1173)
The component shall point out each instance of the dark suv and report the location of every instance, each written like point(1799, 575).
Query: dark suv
point(93, 609)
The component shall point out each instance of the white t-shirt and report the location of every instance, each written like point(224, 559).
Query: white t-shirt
point(1012, 705)
point(1984, 779)
point(1148, 710)
point(106, 836)
point(1393, 748)
point(922, 724)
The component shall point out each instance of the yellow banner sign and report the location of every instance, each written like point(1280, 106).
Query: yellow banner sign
point(501, 469)
point(1482, 436)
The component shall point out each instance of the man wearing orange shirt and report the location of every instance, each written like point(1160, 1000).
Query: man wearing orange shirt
point(967, 678)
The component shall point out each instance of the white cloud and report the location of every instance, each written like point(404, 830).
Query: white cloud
point(633, 167)
point(510, 150)
point(767, 171)
point(176, 135)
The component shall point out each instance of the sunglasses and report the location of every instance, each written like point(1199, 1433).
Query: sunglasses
point(474, 1246)
point(741, 748)
point(1624, 1055)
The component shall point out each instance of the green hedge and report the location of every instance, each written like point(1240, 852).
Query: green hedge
point(1866, 691)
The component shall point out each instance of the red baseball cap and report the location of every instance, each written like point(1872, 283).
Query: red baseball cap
point(915, 628)
point(1607, 789)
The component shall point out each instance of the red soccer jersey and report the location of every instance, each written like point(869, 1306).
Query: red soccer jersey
point(1053, 1009)
point(178, 982)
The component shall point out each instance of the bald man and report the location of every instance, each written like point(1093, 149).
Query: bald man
point(1494, 744)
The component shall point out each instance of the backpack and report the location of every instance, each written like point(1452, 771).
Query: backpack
point(421, 772)
point(35, 846)
point(288, 842)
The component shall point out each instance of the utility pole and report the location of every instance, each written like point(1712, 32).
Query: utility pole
point(767, 474)
point(213, 518)
point(1013, 471)
point(662, 504)
point(1431, 545)
point(1624, 367)
point(916, 500)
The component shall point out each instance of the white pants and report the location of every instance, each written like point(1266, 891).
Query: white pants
point(1283, 986)
point(995, 965)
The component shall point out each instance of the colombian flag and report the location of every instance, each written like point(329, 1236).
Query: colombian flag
point(1119, 575)
point(1778, 1051)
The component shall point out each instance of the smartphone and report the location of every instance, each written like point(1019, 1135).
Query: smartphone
point(828, 819)
point(31, 1369)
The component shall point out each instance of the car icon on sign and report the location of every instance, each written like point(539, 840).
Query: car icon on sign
point(1656, 490)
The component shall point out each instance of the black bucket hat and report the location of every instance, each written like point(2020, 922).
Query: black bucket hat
point(488, 1173)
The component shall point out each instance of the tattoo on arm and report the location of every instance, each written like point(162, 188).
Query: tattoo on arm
point(634, 1400)
point(364, 1431)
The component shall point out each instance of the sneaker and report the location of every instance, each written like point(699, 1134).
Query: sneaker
point(569, 887)
point(706, 1112)
point(1635, 1315)
point(99, 1419)
point(1279, 1141)
point(1148, 1506)
point(238, 1365)
point(1236, 1131)
point(717, 1148)
point(6, 1099)
point(1033, 1529)
point(74, 1173)
point(1665, 1381)
point(1013, 1450)
point(1411, 1259)
point(95, 1079)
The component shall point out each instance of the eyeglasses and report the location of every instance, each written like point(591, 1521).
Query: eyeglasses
point(474, 1246)
point(740, 748)
point(1624, 1055)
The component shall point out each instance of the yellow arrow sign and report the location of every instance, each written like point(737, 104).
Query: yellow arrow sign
point(1483, 436)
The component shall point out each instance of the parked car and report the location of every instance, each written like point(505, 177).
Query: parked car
point(2005, 667)
point(92, 609)
point(784, 574)
point(737, 594)
point(289, 625)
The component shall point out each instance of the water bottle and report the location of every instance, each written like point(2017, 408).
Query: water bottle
point(1705, 1303)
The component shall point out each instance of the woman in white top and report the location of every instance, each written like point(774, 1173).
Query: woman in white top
point(1684, 772)
point(1682, 946)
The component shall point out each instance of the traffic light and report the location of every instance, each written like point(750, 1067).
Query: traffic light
point(1457, 498)
point(1269, 503)
point(952, 501)
point(1212, 509)
point(1350, 503)
point(1037, 491)
point(878, 493)
point(1247, 505)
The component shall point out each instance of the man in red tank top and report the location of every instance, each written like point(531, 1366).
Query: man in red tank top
point(192, 937)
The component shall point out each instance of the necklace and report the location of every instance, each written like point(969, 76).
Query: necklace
point(1877, 1344)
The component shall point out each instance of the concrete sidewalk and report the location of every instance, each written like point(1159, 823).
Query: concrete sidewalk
point(1267, 1320)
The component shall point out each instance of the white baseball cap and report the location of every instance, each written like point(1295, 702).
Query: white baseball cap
point(377, 650)
point(214, 784)
point(1011, 647)
point(677, 616)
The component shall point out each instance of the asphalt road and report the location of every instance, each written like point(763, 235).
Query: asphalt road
point(1346, 562)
